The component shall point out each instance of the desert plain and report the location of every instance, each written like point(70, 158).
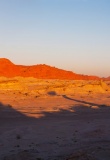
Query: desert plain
point(54, 119)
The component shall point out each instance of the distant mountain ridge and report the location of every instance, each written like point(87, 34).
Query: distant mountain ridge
point(9, 69)
point(108, 78)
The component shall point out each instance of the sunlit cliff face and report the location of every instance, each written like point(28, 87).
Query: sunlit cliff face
point(8, 69)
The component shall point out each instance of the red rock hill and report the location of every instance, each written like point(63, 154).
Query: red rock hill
point(8, 69)
point(107, 78)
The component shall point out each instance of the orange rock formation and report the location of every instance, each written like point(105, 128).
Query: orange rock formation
point(8, 69)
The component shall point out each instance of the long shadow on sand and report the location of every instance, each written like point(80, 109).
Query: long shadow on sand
point(54, 130)
point(84, 102)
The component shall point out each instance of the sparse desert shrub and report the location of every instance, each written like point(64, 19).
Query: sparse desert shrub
point(26, 94)
point(9, 105)
point(37, 96)
point(18, 136)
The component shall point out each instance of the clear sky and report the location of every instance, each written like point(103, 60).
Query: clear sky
point(69, 34)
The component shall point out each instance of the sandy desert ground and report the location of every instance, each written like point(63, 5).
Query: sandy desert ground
point(54, 119)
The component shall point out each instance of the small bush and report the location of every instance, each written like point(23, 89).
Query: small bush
point(18, 137)
point(10, 106)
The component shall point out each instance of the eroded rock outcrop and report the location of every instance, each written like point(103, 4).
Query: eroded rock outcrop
point(9, 69)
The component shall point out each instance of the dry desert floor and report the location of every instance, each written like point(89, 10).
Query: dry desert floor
point(54, 119)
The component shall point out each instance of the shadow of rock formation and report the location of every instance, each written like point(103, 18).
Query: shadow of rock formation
point(84, 102)
point(56, 135)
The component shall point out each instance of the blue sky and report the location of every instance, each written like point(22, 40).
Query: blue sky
point(69, 34)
